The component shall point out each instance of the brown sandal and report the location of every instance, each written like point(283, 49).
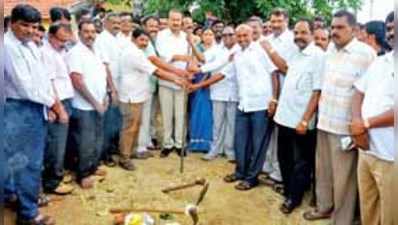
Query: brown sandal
point(244, 186)
point(315, 215)
point(230, 178)
point(278, 188)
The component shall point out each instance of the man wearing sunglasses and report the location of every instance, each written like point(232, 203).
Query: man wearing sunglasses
point(53, 55)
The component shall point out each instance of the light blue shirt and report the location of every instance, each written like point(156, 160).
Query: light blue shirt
point(24, 73)
point(304, 76)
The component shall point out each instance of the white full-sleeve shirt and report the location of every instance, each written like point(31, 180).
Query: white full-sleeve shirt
point(25, 75)
point(55, 62)
point(217, 58)
point(253, 70)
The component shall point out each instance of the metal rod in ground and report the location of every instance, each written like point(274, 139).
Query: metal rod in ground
point(184, 133)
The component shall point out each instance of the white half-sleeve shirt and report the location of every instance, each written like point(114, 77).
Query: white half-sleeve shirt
point(304, 76)
point(89, 64)
point(378, 87)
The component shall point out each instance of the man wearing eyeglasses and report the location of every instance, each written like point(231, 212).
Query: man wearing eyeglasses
point(54, 57)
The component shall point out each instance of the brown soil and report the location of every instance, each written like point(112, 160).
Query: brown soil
point(223, 205)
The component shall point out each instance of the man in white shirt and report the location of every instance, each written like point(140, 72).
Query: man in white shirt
point(322, 38)
point(148, 138)
point(28, 97)
point(224, 96)
point(135, 90)
point(336, 178)
point(89, 78)
point(295, 116)
point(256, 23)
point(54, 58)
point(110, 48)
point(172, 43)
point(373, 130)
point(279, 43)
point(253, 128)
point(126, 27)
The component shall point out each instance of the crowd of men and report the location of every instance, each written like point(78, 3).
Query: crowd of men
point(310, 107)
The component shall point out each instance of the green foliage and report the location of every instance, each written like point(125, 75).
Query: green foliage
point(240, 10)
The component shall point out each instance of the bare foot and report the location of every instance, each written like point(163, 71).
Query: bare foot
point(100, 172)
point(87, 183)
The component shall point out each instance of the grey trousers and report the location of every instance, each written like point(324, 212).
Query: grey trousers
point(224, 114)
point(271, 165)
point(336, 178)
point(173, 106)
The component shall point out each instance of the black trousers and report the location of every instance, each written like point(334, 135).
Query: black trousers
point(296, 155)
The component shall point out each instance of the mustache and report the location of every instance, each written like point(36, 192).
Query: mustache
point(298, 40)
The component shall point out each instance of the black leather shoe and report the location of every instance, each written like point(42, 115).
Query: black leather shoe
point(180, 152)
point(288, 206)
point(165, 152)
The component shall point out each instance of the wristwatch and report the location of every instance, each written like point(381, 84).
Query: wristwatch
point(304, 123)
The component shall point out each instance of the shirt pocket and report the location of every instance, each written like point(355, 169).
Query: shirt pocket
point(304, 82)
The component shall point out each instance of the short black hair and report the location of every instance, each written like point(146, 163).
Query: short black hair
point(84, 22)
point(390, 17)
point(123, 14)
point(57, 13)
point(41, 28)
point(279, 12)
point(81, 13)
point(319, 18)
point(197, 29)
point(138, 32)
point(146, 19)
point(137, 20)
point(350, 17)
point(55, 27)
point(308, 21)
point(26, 13)
point(215, 22)
point(110, 15)
point(378, 29)
point(7, 21)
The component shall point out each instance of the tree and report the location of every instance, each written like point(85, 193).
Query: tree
point(238, 10)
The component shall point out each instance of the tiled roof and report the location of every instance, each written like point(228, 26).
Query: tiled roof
point(42, 5)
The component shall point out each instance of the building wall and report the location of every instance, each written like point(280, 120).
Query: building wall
point(42, 5)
